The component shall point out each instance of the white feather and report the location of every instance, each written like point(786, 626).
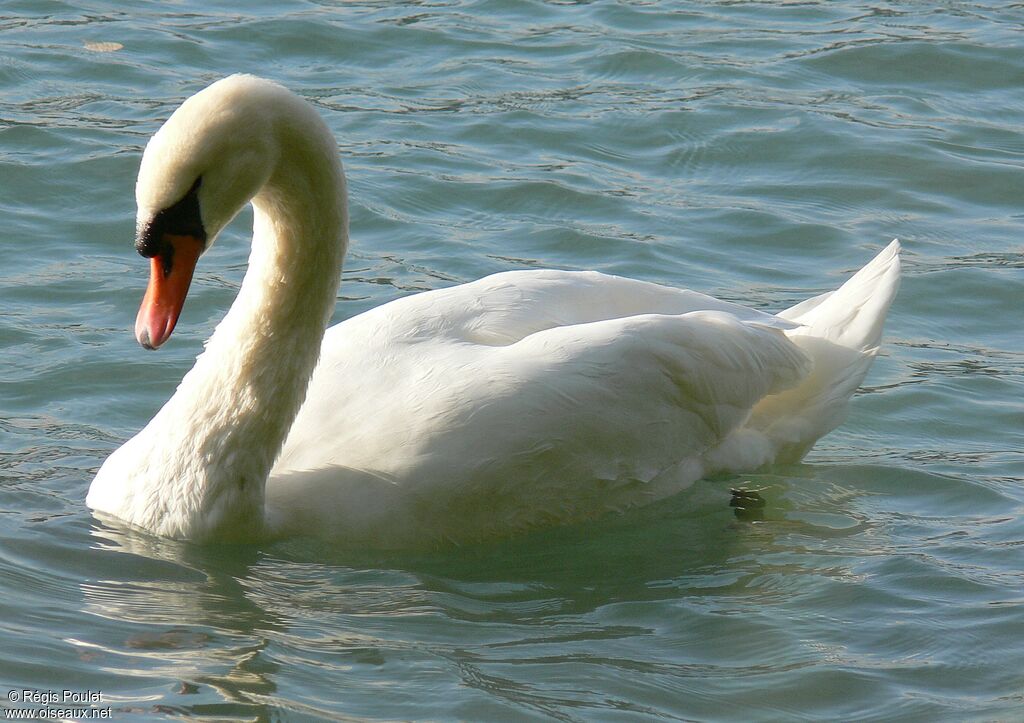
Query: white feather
point(523, 399)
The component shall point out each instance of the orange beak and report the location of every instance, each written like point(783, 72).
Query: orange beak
point(169, 278)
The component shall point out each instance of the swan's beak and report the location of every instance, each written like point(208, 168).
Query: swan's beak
point(169, 278)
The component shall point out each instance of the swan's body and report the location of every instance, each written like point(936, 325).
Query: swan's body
point(522, 399)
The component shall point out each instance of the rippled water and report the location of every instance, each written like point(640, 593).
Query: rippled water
point(759, 151)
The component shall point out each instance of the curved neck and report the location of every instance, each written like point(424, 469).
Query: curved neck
point(218, 436)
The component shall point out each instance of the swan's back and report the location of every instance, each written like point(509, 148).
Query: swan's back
point(507, 307)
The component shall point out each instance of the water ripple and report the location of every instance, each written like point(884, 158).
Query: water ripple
point(757, 150)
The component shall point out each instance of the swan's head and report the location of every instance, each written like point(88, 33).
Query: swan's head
point(209, 159)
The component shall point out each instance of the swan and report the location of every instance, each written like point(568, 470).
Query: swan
point(523, 399)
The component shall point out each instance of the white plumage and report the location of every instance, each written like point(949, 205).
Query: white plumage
point(523, 399)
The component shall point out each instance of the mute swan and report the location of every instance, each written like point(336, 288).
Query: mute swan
point(523, 399)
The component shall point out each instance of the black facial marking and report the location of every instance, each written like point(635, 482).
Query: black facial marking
point(181, 219)
point(167, 259)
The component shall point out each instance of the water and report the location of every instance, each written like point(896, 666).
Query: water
point(758, 151)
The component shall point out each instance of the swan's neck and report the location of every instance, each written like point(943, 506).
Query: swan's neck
point(207, 454)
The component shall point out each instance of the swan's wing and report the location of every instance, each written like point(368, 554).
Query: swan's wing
point(563, 424)
point(505, 308)
point(620, 399)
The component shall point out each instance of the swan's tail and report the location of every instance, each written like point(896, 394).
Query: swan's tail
point(840, 331)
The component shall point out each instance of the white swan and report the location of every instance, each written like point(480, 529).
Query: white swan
point(522, 399)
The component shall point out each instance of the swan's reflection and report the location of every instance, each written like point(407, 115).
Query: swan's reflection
point(235, 627)
point(180, 617)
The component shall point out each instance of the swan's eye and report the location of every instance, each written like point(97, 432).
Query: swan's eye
point(181, 219)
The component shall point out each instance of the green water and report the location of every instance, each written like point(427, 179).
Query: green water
point(757, 151)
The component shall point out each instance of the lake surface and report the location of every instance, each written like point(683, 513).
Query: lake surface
point(757, 151)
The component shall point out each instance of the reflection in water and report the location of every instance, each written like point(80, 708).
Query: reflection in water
point(226, 618)
point(223, 620)
point(182, 613)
